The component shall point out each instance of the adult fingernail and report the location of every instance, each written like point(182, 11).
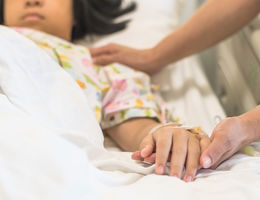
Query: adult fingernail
point(207, 162)
point(160, 169)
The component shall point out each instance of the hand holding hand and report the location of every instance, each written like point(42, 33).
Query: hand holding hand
point(228, 137)
point(179, 146)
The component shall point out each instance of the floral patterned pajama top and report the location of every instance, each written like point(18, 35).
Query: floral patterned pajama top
point(115, 93)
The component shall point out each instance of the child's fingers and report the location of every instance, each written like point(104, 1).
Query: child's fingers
point(136, 155)
point(193, 157)
point(163, 147)
point(147, 150)
point(179, 151)
point(151, 158)
point(147, 146)
point(204, 142)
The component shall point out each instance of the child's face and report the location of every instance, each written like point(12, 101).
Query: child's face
point(51, 16)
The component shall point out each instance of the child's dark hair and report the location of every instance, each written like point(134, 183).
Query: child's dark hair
point(93, 16)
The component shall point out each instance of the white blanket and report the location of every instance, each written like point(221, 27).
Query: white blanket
point(52, 148)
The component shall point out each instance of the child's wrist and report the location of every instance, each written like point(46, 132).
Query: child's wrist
point(149, 127)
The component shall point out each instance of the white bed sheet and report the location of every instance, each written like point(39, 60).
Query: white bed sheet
point(52, 148)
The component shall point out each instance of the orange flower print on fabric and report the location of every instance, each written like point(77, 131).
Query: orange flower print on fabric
point(45, 46)
point(139, 82)
point(149, 96)
point(81, 84)
point(98, 113)
point(155, 88)
point(64, 57)
point(139, 103)
point(105, 89)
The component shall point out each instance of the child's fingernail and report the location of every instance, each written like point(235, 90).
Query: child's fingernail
point(160, 169)
point(143, 151)
point(175, 175)
point(134, 154)
point(206, 162)
point(188, 179)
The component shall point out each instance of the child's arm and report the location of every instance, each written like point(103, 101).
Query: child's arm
point(180, 146)
point(129, 135)
point(129, 112)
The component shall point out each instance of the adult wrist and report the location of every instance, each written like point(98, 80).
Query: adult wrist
point(249, 128)
point(159, 59)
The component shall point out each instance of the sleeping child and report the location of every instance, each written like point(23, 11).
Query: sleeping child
point(122, 99)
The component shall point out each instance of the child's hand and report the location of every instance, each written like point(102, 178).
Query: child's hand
point(179, 146)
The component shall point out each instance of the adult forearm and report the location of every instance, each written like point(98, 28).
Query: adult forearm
point(213, 22)
point(252, 119)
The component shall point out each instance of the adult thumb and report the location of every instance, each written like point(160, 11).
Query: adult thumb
point(213, 153)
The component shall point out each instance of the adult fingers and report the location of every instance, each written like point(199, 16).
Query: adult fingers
point(179, 151)
point(105, 59)
point(215, 151)
point(224, 157)
point(163, 145)
point(193, 157)
point(107, 49)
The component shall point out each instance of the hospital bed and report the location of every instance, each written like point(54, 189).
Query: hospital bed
point(236, 66)
point(51, 147)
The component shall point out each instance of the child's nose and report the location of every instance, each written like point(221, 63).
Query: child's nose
point(30, 3)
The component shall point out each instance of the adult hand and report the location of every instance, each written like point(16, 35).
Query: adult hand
point(228, 137)
point(143, 60)
point(179, 146)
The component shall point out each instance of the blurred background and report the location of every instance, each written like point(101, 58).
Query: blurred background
point(233, 66)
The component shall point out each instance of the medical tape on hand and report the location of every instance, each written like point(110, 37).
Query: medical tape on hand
point(195, 130)
point(171, 124)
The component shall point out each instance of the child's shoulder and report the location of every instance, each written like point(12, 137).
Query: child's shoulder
point(42, 37)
